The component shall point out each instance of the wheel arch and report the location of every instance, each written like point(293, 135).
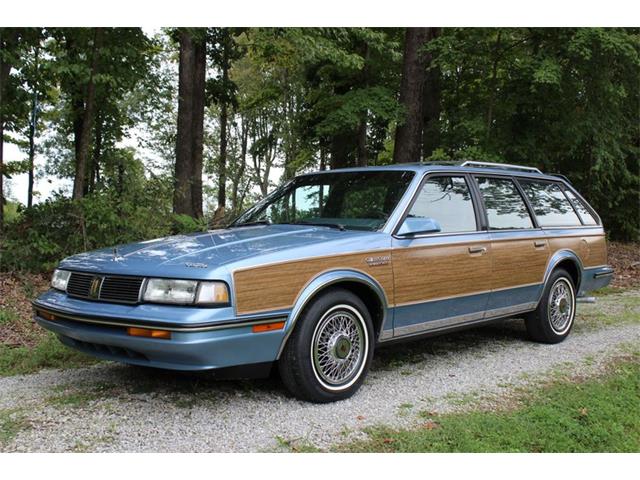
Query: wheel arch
point(357, 282)
point(568, 260)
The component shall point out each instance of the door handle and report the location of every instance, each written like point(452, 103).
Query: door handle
point(481, 250)
point(539, 243)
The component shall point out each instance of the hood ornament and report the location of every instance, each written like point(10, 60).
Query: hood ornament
point(116, 257)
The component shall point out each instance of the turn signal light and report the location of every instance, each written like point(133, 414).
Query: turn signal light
point(267, 327)
point(46, 315)
point(145, 332)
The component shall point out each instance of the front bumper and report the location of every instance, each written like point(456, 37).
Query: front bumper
point(220, 343)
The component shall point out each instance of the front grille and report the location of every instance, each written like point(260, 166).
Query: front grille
point(104, 288)
point(121, 289)
point(79, 284)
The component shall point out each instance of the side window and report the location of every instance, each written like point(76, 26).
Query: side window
point(551, 207)
point(447, 200)
point(582, 209)
point(504, 205)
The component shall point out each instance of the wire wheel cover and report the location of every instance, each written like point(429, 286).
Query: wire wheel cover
point(561, 306)
point(338, 347)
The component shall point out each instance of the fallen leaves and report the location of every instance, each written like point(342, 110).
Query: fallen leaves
point(430, 425)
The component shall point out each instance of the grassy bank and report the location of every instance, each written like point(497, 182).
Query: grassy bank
point(47, 353)
point(596, 415)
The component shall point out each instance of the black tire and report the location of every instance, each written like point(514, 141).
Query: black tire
point(552, 321)
point(310, 353)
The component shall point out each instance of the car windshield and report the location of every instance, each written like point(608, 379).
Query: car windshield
point(345, 200)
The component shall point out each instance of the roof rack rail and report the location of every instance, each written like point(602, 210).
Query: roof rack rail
point(505, 166)
point(564, 177)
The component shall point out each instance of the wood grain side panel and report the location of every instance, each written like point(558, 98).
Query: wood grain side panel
point(518, 262)
point(592, 249)
point(276, 286)
point(439, 271)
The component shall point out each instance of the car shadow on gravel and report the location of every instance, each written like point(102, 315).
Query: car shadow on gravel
point(189, 389)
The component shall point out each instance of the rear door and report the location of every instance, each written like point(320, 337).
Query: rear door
point(520, 250)
point(442, 278)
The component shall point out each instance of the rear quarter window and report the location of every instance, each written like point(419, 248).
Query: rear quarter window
point(550, 206)
point(583, 210)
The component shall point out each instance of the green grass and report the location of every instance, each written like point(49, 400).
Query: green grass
point(7, 316)
point(610, 309)
point(604, 291)
point(49, 353)
point(12, 422)
point(598, 415)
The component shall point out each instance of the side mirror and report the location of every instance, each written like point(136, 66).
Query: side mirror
point(418, 225)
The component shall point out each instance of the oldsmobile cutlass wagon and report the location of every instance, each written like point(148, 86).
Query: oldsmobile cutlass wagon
point(334, 264)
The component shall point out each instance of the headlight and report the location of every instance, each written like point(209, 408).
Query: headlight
point(60, 279)
point(185, 292)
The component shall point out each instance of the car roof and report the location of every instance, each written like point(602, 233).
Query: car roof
point(485, 168)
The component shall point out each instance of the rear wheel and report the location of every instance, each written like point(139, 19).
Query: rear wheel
point(551, 322)
point(330, 350)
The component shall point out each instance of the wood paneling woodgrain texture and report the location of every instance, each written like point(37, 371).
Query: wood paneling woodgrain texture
point(276, 286)
point(591, 249)
point(422, 273)
point(518, 262)
point(439, 271)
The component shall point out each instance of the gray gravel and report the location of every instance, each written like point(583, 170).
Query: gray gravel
point(111, 407)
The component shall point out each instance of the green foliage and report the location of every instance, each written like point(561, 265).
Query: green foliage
point(563, 99)
point(601, 415)
point(134, 209)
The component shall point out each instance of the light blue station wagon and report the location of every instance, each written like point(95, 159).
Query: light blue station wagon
point(334, 264)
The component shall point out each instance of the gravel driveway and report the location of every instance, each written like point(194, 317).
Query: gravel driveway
point(111, 407)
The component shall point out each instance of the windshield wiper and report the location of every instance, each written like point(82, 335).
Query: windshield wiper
point(250, 224)
point(337, 226)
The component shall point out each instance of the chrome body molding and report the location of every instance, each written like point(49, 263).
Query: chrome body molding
point(325, 280)
point(604, 273)
point(459, 320)
point(248, 322)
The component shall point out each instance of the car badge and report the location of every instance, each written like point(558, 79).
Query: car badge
point(196, 265)
point(94, 289)
point(375, 261)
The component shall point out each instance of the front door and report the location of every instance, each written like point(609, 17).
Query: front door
point(442, 278)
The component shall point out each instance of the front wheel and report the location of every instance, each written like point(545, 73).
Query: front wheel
point(551, 322)
point(330, 350)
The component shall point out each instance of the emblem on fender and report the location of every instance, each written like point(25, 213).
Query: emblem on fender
point(374, 261)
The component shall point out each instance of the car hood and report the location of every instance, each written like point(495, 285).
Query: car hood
point(197, 255)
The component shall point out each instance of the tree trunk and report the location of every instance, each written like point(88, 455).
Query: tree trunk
point(431, 106)
point(94, 177)
point(224, 117)
point(236, 205)
point(363, 157)
point(7, 39)
point(182, 199)
point(32, 130)
point(199, 79)
point(82, 147)
point(492, 84)
point(342, 150)
point(408, 139)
